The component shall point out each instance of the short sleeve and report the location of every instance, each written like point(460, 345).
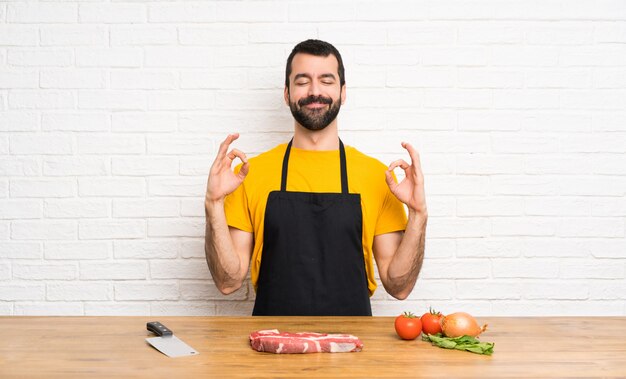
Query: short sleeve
point(392, 217)
point(236, 208)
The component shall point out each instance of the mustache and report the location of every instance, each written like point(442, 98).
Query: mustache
point(315, 99)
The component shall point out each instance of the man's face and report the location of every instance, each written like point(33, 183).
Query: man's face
point(315, 94)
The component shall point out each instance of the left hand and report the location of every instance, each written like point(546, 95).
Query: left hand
point(410, 190)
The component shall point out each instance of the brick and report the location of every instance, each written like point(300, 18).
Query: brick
point(13, 79)
point(20, 209)
point(39, 57)
point(143, 79)
point(558, 79)
point(558, 164)
point(179, 145)
point(192, 208)
point(22, 291)
point(489, 78)
point(192, 248)
point(523, 226)
point(179, 56)
point(420, 34)
point(248, 100)
point(41, 99)
point(424, 78)
point(109, 57)
point(500, 247)
point(534, 56)
point(358, 34)
point(83, 35)
point(516, 143)
point(214, 79)
point(318, 12)
point(387, 56)
point(444, 206)
point(144, 122)
point(15, 166)
point(484, 164)
point(43, 230)
point(148, 166)
point(220, 34)
point(206, 290)
point(458, 98)
point(592, 56)
point(557, 206)
point(547, 247)
point(457, 269)
point(78, 291)
point(146, 249)
point(181, 100)
point(101, 308)
point(111, 229)
point(78, 122)
point(38, 143)
point(607, 289)
point(18, 35)
point(110, 143)
point(146, 208)
point(557, 123)
point(481, 121)
point(202, 308)
point(75, 208)
point(429, 290)
point(465, 56)
point(560, 35)
point(479, 35)
point(178, 187)
point(193, 166)
point(281, 33)
point(526, 99)
point(591, 227)
point(184, 13)
point(55, 308)
point(188, 227)
point(272, 11)
point(590, 269)
point(488, 290)
point(80, 250)
point(555, 290)
point(5, 271)
point(457, 185)
point(609, 122)
point(42, 187)
point(446, 227)
point(4, 230)
point(591, 185)
point(250, 56)
point(609, 78)
point(525, 268)
point(105, 270)
point(112, 99)
point(489, 206)
point(179, 269)
point(33, 271)
point(112, 187)
point(72, 78)
point(146, 291)
point(111, 13)
point(64, 166)
point(19, 121)
point(41, 12)
point(608, 206)
point(143, 35)
point(20, 250)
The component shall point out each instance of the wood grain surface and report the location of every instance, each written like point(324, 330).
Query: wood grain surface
point(107, 347)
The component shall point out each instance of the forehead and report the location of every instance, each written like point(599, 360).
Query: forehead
point(314, 65)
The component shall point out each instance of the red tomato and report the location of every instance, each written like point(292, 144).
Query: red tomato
point(431, 322)
point(408, 326)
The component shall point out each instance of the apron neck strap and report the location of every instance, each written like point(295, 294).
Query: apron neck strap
point(342, 159)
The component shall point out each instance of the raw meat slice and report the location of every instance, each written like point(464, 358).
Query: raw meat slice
point(273, 341)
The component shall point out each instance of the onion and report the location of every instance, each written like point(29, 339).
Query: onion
point(459, 324)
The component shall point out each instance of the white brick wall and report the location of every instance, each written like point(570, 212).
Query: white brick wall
point(111, 114)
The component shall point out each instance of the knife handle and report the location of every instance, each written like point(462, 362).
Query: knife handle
point(158, 329)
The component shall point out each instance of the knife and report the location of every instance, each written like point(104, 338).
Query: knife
point(167, 343)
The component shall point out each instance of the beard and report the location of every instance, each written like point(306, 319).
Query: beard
point(317, 118)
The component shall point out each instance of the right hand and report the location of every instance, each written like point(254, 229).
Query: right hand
point(222, 179)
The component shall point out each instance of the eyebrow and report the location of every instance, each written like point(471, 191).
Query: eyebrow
point(328, 75)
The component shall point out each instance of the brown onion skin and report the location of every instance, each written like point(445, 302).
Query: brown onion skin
point(459, 324)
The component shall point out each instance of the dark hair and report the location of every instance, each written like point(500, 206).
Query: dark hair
point(317, 48)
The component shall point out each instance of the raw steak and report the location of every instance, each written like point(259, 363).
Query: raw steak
point(273, 341)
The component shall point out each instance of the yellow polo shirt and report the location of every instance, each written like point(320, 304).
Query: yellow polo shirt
point(315, 171)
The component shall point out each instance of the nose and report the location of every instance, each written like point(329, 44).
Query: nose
point(314, 88)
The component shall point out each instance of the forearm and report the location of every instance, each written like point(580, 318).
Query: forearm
point(407, 261)
point(224, 262)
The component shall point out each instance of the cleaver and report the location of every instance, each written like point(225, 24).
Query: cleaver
point(167, 343)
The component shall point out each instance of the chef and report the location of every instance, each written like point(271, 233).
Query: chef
point(309, 217)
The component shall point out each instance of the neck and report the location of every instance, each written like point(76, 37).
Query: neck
point(325, 139)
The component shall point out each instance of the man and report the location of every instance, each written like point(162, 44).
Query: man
point(307, 217)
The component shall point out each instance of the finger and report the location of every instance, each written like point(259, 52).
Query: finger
point(398, 163)
point(236, 153)
point(415, 157)
point(243, 171)
point(226, 143)
point(391, 182)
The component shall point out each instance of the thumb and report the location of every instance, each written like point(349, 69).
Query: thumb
point(391, 182)
point(244, 170)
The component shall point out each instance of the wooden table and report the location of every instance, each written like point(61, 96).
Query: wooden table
point(115, 347)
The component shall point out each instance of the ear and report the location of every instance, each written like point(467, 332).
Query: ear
point(343, 94)
point(286, 95)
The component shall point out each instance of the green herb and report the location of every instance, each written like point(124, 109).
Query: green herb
point(467, 343)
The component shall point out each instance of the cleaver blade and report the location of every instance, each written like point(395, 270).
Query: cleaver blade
point(167, 343)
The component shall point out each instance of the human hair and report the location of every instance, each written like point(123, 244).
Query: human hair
point(317, 48)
